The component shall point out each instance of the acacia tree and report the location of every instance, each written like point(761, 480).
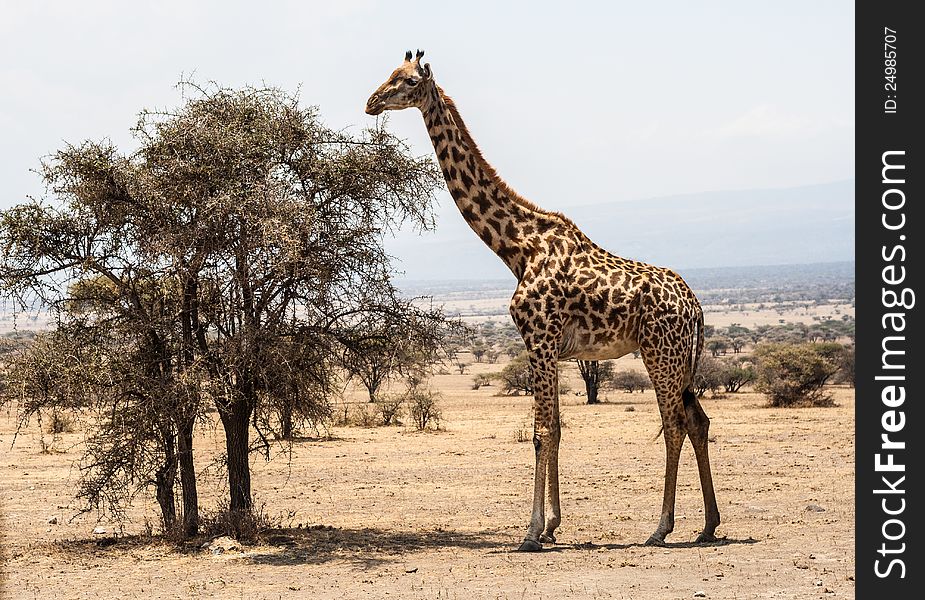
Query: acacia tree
point(241, 246)
point(395, 343)
point(277, 241)
point(594, 373)
point(517, 376)
point(87, 263)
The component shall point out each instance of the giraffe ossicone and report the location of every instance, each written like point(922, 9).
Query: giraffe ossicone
point(573, 300)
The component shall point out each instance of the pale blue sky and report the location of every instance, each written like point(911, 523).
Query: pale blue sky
point(574, 103)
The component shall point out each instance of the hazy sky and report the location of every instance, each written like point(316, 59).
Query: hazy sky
point(573, 103)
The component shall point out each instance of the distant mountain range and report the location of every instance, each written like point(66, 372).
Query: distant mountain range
point(808, 224)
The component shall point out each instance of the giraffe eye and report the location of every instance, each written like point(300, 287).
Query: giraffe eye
point(411, 81)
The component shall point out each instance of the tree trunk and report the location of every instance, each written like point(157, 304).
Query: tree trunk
point(372, 388)
point(188, 478)
point(590, 373)
point(236, 422)
point(591, 388)
point(285, 420)
point(164, 479)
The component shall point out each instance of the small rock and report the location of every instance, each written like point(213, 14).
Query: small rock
point(53, 521)
point(814, 508)
point(411, 570)
point(700, 594)
point(630, 409)
point(223, 544)
point(818, 583)
point(100, 531)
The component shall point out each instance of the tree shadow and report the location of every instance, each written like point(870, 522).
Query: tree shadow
point(293, 546)
point(367, 547)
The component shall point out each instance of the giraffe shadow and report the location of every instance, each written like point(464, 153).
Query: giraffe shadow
point(585, 546)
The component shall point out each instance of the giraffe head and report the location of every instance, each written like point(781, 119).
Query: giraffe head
point(404, 88)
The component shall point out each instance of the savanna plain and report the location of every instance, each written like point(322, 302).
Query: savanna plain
point(393, 512)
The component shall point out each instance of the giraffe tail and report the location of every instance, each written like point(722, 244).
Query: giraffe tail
point(688, 396)
point(696, 351)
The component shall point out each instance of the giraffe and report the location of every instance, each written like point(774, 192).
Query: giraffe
point(573, 300)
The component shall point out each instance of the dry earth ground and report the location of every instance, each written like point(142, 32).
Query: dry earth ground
point(393, 513)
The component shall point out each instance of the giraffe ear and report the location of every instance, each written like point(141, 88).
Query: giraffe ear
point(427, 74)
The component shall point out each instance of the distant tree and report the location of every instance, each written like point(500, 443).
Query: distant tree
point(717, 346)
point(594, 373)
point(708, 376)
point(792, 374)
point(736, 373)
point(478, 351)
point(386, 346)
point(630, 381)
point(513, 349)
point(516, 376)
point(483, 379)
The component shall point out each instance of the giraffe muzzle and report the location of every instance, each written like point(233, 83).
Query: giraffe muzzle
point(375, 105)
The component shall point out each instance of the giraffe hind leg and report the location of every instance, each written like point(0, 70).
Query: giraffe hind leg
point(698, 428)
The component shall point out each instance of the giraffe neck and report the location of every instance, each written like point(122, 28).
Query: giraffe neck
point(501, 218)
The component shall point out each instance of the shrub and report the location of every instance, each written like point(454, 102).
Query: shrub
point(390, 409)
point(60, 423)
point(423, 408)
point(243, 525)
point(365, 415)
point(523, 434)
point(846, 366)
point(794, 374)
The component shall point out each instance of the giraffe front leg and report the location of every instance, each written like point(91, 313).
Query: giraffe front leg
point(531, 542)
point(552, 474)
point(545, 443)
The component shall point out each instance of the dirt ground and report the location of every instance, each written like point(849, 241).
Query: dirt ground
point(394, 513)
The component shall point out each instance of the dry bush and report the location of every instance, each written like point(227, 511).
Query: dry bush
point(242, 525)
point(365, 415)
point(390, 410)
point(60, 423)
point(423, 408)
point(522, 434)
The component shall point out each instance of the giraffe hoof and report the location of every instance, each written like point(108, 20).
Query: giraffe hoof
point(705, 538)
point(530, 546)
point(548, 538)
point(655, 541)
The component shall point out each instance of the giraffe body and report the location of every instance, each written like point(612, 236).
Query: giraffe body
point(573, 300)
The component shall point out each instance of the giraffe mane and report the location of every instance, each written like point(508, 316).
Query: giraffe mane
point(490, 170)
